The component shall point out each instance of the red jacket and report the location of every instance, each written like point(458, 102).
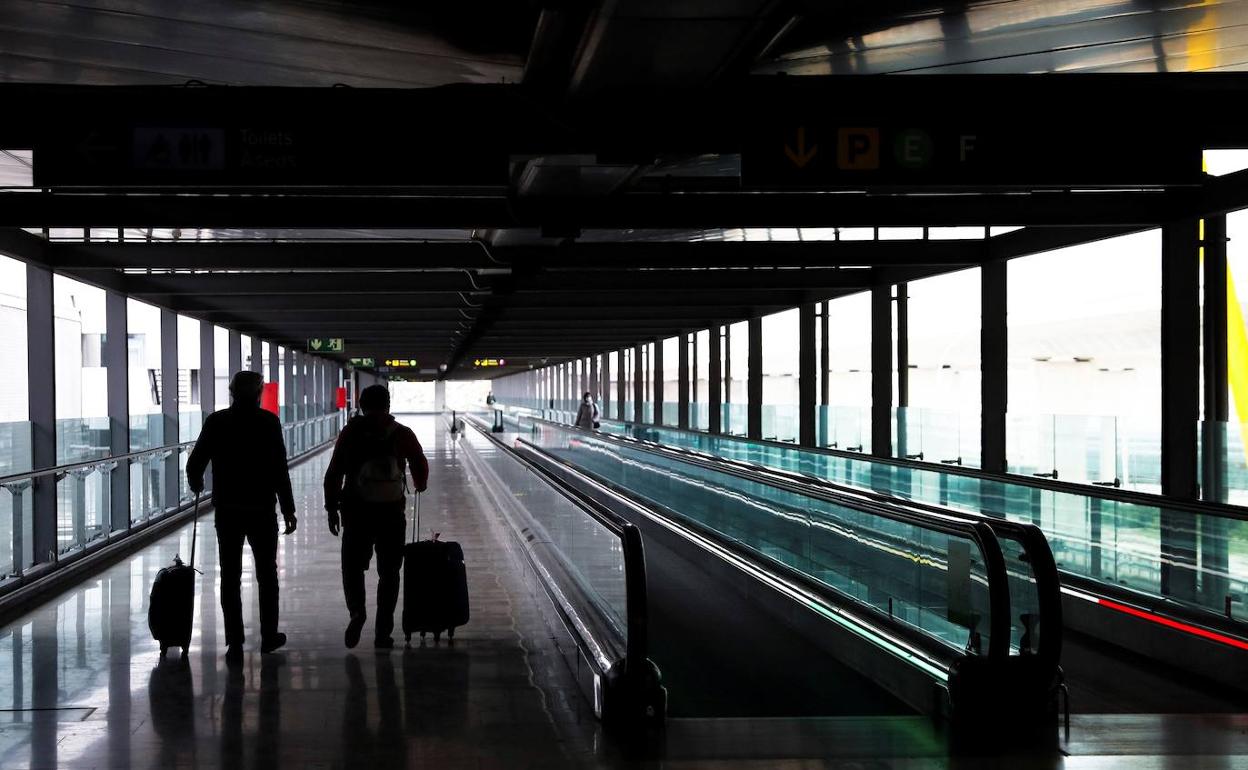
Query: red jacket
point(349, 456)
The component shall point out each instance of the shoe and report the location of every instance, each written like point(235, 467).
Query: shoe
point(275, 642)
point(352, 637)
point(234, 653)
point(383, 643)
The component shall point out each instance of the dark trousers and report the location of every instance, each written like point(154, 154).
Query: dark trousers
point(260, 531)
point(383, 530)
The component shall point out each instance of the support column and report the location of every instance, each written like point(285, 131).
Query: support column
point(657, 372)
point(714, 383)
point(754, 381)
point(903, 373)
point(882, 370)
point(604, 383)
point(257, 355)
point(993, 352)
point(682, 384)
point(169, 402)
point(116, 372)
point(825, 378)
point(1180, 401)
point(439, 396)
point(1216, 396)
point(236, 357)
point(41, 395)
point(275, 363)
point(639, 387)
point(593, 379)
point(291, 387)
point(620, 386)
point(807, 358)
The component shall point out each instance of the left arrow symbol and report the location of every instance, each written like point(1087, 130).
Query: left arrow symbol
point(803, 154)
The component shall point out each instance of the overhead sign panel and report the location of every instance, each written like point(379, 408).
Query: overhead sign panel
point(830, 152)
point(482, 363)
point(401, 363)
point(326, 345)
point(363, 363)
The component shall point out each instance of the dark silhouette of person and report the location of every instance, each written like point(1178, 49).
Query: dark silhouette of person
point(249, 476)
point(365, 496)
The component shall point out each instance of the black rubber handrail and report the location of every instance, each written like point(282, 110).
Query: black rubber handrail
point(977, 532)
point(637, 611)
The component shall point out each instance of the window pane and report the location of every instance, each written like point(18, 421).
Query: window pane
point(15, 524)
point(846, 422)
point(780, 369)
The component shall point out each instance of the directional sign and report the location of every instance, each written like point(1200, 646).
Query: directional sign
point(364, 363)
point(401, 363)
point(484, 362)
point(326, 345)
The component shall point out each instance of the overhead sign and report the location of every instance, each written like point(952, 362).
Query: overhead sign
point(830, 152)
point(401, 363)
point(364, 363)
point(484, 362)
point(326, 345)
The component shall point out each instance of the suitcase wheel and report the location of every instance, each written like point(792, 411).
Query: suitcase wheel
point(163, 649)
point(185, 650)
point(409, 640)
point(422, 634)
point(450, 633)
point(437, 636)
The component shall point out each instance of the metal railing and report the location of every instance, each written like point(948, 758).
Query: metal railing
point(85, 516)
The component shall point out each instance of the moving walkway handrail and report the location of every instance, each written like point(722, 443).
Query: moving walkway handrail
point(977, 532)
point(640, 678)
point(1039, 554)
point(1112, 494)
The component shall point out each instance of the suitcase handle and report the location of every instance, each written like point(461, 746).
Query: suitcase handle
point(194, 529)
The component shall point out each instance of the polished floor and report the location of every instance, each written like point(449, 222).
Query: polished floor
point(81, 685)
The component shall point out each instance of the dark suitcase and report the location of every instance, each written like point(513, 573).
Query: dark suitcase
point(171, 605)
point(435, 586)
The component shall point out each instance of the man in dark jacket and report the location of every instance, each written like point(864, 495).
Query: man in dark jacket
point(369, 457)
point(249, 475)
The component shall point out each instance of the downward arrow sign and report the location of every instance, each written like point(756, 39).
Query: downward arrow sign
point(802, 155)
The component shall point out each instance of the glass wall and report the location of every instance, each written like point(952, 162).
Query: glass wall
point(245, 348)
point(629, 378)
point(282, 385)
point(221, 365)
point(647, 382)
point(671, 382)
point(845, 422)
point(942, 420)
point(146, 389)
point(699, 395)
point(15, 457)
point(735, 350)
point(781, 335)
point(1084, 363)
point(190, 418)
point(82, 424)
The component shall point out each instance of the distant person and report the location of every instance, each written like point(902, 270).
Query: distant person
point(587, 414)
point(249, 477)
point(489, 399)
point(365, 481)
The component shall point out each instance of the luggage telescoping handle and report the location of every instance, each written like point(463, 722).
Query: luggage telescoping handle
point(194, 528)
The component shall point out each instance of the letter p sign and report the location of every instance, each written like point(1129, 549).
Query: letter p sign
point(858, 149)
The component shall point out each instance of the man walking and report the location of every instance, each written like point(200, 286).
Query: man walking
point(249, 476)
point(365, 481)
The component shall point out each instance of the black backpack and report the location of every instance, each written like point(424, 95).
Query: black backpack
point(380, 477)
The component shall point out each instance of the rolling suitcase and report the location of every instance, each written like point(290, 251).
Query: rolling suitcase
point(435, 586)
point(171, 606)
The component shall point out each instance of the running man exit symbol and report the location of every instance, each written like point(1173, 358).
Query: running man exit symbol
point(326, 345)
point(803, 154)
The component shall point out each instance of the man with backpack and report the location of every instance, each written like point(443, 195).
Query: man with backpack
point(365, 497)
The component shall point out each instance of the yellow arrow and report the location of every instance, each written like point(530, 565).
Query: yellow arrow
point(802, 155)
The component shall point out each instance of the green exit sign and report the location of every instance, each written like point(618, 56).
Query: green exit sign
point(326, 345)
point(366, 363)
